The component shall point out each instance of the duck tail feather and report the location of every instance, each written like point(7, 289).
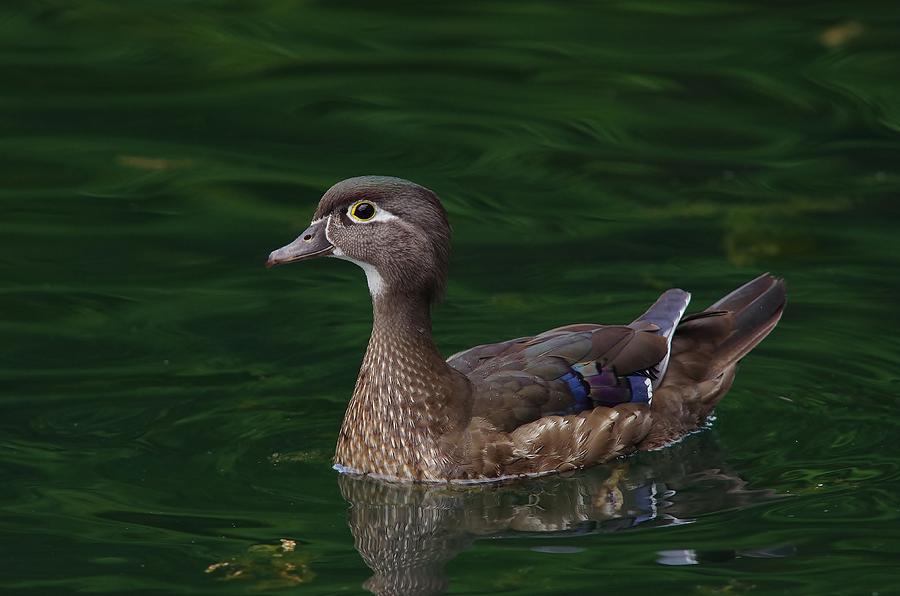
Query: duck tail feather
point(727, 330)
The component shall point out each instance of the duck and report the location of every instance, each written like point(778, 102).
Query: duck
point(569, 398)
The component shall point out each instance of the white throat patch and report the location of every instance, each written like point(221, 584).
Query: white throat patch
point(373, 278)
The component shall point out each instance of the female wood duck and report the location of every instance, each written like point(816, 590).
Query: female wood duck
point(567, 398)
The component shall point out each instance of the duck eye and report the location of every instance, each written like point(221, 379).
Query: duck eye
point(362, 211)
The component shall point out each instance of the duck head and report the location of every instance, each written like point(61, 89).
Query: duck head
point(396, 230)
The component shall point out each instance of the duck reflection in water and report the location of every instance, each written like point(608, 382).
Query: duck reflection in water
point(406, 533)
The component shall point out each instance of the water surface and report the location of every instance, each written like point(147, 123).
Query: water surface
point(169, 406)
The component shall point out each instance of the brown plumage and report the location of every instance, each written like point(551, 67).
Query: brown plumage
point(568, 398)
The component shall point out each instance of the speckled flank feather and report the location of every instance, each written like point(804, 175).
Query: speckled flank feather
point(567, 398)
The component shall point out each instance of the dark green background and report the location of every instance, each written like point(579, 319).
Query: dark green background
point(590, 155)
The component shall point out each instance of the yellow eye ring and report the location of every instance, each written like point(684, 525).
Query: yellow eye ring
point(362, 211)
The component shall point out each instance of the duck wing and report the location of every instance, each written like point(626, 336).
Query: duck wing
point(571, 369)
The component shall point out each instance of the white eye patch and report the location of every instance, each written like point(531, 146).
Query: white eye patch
point(384, 215)
point(364, 211)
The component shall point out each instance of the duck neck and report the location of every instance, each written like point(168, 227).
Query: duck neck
point(407, 398)
point(401, 317)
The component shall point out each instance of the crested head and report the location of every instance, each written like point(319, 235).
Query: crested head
point(396, 230)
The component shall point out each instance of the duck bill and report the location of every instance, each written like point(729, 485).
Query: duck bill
point(310, 244)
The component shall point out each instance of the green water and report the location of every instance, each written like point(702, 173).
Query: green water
point(167, 404)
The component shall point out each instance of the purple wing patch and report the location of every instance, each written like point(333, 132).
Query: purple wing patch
point(608, 389)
